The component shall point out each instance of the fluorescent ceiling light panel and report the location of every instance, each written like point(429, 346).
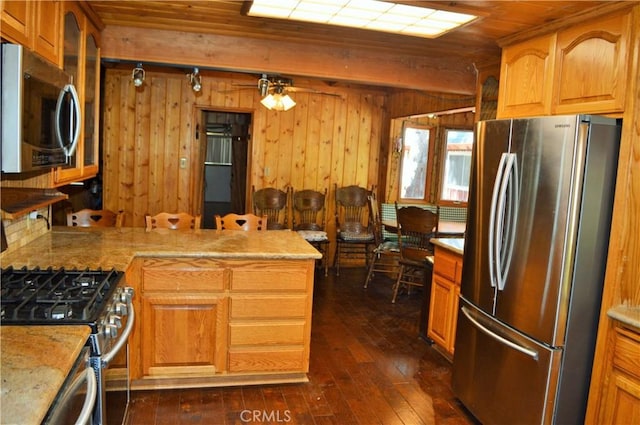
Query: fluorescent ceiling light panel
point(367, 14)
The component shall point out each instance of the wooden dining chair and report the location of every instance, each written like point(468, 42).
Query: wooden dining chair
point(173, 221)
point(274, 203)
point(95, 218)
point(353, 231)
point(416, 227)
point(386, 254)
point(308, 219)
point(249, 221)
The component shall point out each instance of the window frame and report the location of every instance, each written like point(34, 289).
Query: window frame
point(443, 160)
point(429, 165)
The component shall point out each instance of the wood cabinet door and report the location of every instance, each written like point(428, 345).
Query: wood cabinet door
point(16, 21)
point(439, 328)
point(183, 335)
point(525, 86)
point(591, 67)
point(47, 30)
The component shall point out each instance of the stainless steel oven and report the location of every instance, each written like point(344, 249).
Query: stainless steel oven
point(76, 399)
point(96, 298)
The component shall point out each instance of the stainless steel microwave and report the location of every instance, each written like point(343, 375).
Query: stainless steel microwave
point(41, 118)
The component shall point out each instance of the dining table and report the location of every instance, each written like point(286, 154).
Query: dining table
point(445, 228)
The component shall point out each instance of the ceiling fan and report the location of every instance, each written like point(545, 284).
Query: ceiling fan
point(274, 91)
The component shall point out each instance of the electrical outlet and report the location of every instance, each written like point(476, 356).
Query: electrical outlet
point(33, 215)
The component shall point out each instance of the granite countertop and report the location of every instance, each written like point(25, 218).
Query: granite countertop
point(626, 314)
point(81, 248)
point(32, 375)
point(452, 244)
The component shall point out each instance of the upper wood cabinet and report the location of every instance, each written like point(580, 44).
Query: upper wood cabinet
point(525, 86)
point(17, 21)
point(591, 67)
point(581, 69)
point(33, 24)
point(82, 61)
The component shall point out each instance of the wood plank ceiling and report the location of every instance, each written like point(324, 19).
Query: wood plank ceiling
point(474, 45)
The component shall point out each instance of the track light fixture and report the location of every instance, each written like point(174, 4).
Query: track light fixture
point(263, 85)
point(195, 79)
point(137, 76)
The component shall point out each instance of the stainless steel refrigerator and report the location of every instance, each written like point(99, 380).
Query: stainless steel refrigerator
point(539, 215)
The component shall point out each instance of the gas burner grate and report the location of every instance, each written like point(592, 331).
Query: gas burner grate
point(55, 295)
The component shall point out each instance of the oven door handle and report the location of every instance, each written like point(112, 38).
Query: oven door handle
point(88, 375)
point(90, 397)
point(106, 358)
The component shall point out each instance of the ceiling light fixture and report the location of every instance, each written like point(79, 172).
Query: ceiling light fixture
point(365, 14)
point(195, 80)
point(137, 76)
point(278, 101)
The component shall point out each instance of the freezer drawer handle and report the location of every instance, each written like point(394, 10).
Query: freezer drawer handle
point(529, 352)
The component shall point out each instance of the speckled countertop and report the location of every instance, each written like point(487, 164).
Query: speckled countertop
point(112, 247)
point(452, 244)
point(626, 314)
point(32, 375)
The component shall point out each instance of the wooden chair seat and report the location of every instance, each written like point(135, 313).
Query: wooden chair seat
point(416, 227)
point(95, 218)
point(386, 253)
point(309, 216)
point(354, 236)
point(245, 222)
point(173, 221)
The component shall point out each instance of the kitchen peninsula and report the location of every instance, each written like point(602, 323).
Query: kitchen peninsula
point(213, 307)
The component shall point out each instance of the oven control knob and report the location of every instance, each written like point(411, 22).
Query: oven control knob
point(126, 295)
point(110, 330)
point(115, 320)
point(120, 309)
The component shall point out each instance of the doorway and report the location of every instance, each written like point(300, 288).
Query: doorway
point(225, 164)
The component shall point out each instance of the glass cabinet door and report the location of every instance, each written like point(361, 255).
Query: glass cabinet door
point(90, 102)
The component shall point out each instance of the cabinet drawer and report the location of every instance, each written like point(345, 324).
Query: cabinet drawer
point(187, 275)
point(445, 266)
point(626, 355)
point(263, 306)
point(270, 276)
point(267, 333)
point(277, 359)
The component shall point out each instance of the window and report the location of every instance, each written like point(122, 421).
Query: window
point(457, 166)
point(414, 171)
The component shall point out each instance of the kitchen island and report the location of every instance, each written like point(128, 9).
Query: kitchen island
point(213, 307)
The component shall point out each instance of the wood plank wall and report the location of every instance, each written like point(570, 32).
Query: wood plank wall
point(324, 140)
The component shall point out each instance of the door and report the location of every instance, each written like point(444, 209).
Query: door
point(492, 140)
point(225, 164)
point(500, 375)
point(538, 272)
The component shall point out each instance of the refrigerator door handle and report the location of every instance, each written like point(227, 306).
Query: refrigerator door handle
point(493, 243)
point(524, 350)
point(507, 205)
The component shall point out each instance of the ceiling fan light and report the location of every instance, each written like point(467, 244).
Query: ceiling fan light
point(269, 101)
point(287, 102)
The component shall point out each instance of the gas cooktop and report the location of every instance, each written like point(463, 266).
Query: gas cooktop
point(55, 296)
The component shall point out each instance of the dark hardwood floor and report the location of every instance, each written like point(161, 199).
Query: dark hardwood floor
point(368, 366)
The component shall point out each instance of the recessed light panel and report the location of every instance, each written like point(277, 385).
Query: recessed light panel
point(366, 14)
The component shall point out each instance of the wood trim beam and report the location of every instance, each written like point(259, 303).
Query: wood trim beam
point(243, 54)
